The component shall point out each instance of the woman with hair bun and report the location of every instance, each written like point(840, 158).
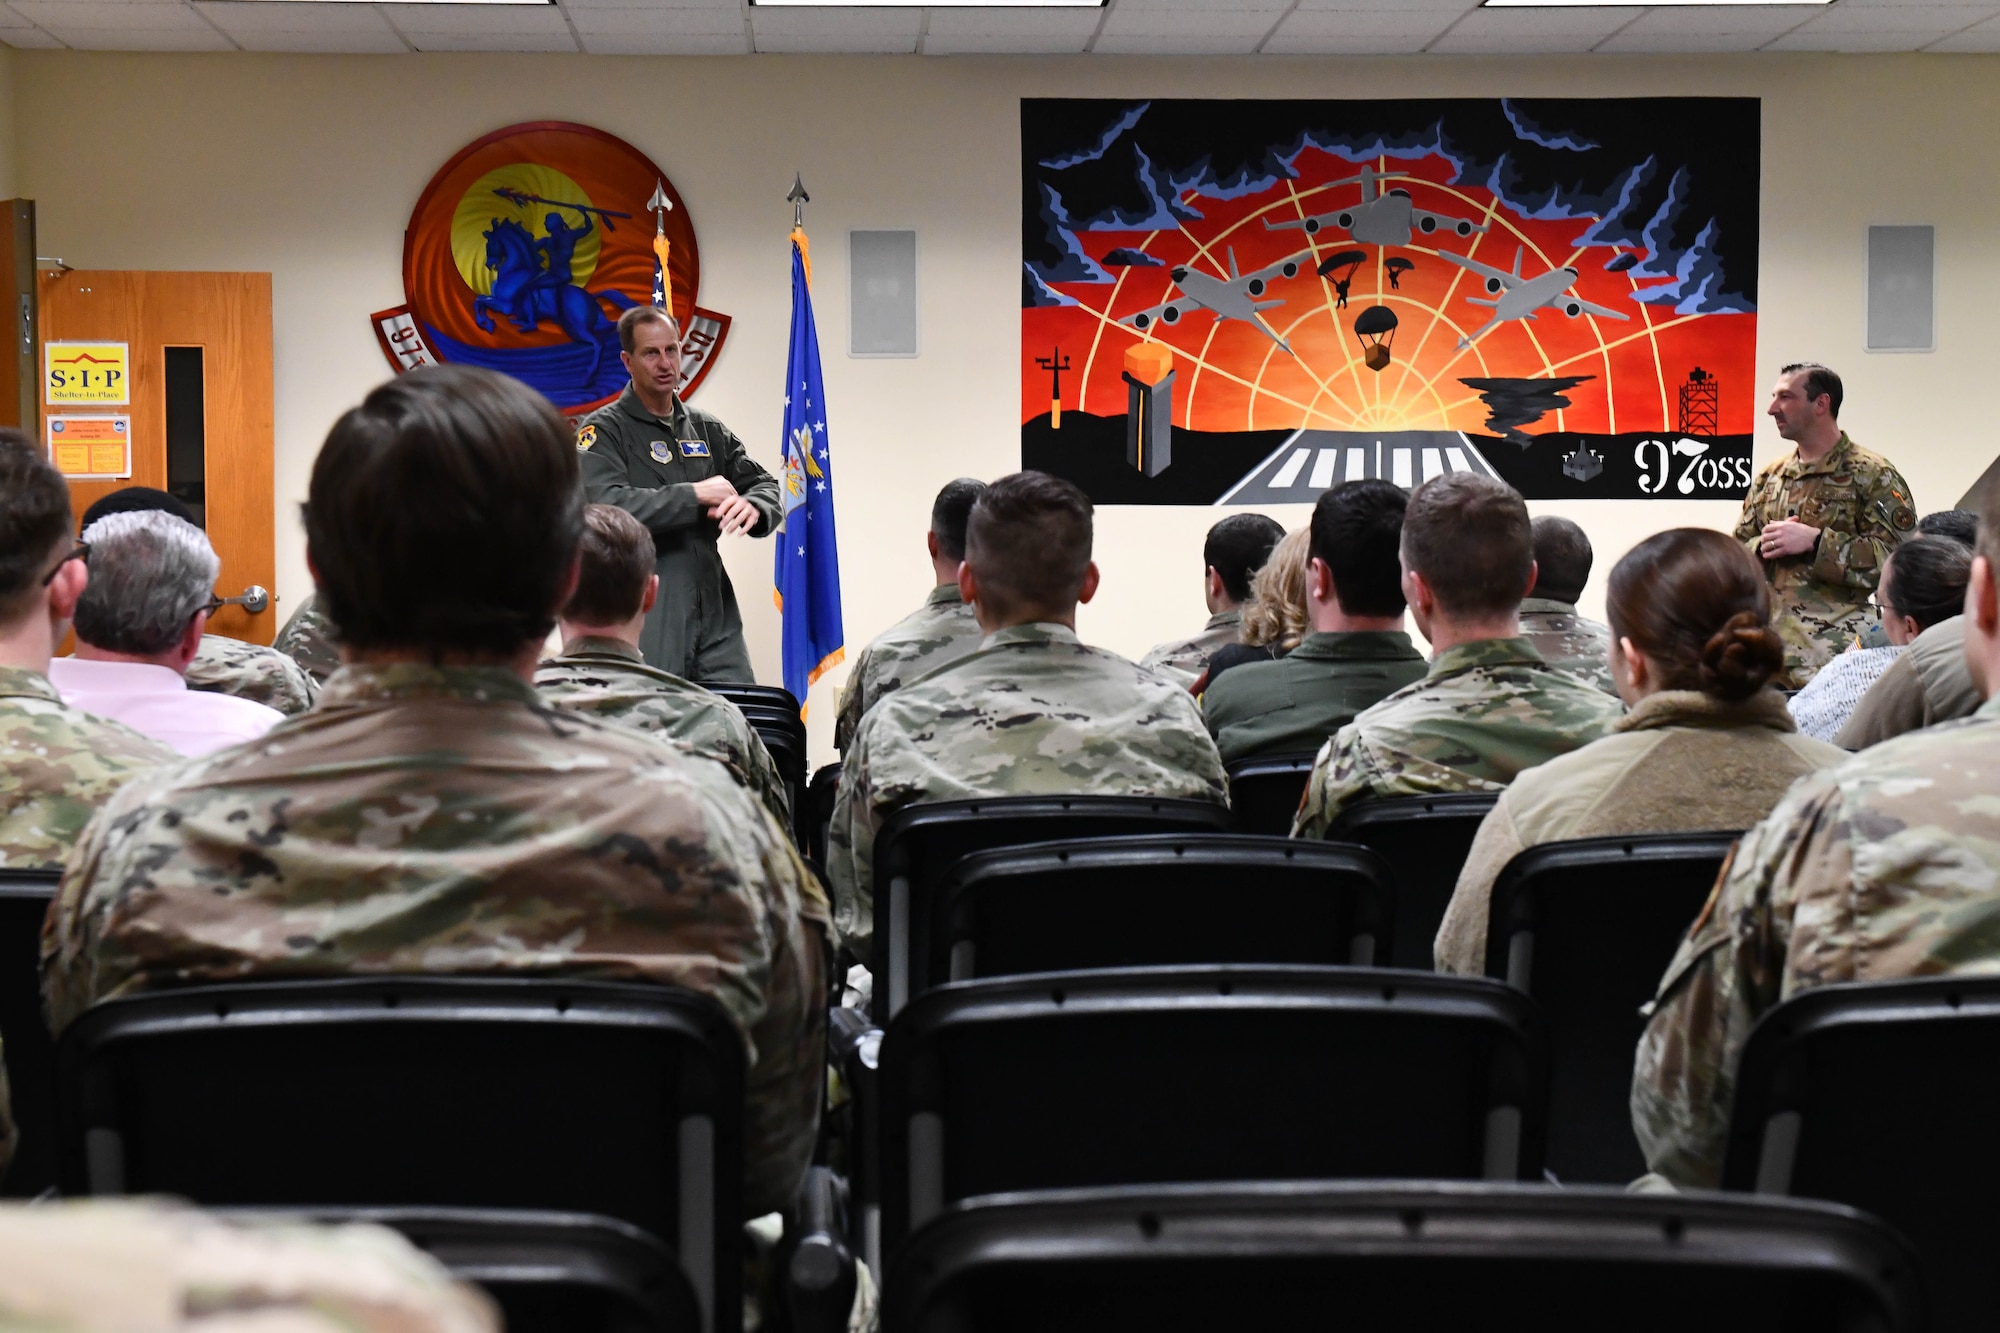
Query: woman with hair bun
point(1707, 744)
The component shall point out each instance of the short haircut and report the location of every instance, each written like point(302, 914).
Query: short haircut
point(1819, 380)
point(34, 521)
point(1961, 525)
point(1562, 559)
point(1237, 548)
point(1028, 542)
point(1927, 578)
point(1357, 529)
point(949, 513)
point(149, 573)
point(629, 322)
point(1698, 606)
point(1469, 536)
point(614, 561)
point(134, 500)
point(443, 514)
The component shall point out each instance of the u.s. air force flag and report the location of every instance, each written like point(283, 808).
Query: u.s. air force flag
point(808, 560)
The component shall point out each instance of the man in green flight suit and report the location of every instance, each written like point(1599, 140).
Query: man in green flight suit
point(687, 477)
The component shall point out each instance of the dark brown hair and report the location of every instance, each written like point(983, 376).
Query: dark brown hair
point(1469, 536)
point(1562, 559)
point(952, 511)
point(443, 514)
point(1357, 528)
point(629, 322)
point(34, 520)
point(1028, 542)
point(1237, 548)
point(1694, 602)
point(1927, 578)
point(614, 560)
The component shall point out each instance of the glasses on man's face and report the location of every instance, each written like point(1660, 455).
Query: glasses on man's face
point(80, 552)
point(213, 605)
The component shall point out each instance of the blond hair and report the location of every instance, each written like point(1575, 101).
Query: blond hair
point(1275, 615)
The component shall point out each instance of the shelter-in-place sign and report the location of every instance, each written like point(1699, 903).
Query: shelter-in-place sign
point(79, 372)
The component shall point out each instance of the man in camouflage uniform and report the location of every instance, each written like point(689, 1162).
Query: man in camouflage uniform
point(1032, 712)
point(307, 638)
point(1823, 519)
point(429, 818)
point(1878, 869)
point(601, 673)
point(687, 477)
point(1490, 706)
point(1549, 620)
point(942, 630)
point(1235, 550)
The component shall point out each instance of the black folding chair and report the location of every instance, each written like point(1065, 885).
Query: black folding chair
point(744, 693)
point(1190, 1259)
point(820, 793)
point(1588, 928)
point(615, 1100)
point(1150, 900)
point(1882, 1097)
point(916, 846)
point(1264, 793)
point(1425, 840)
point(31, 1053)
point(1162, 1075)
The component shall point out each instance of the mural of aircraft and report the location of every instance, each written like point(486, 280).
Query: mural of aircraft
point(1234, 297)
point(1379, 219)
point(1519, 297)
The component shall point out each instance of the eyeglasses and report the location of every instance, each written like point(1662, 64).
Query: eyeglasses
point(80, 552)
point(213, 605)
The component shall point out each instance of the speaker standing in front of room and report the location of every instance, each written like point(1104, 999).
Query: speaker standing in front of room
point(1902, 289)
point(882, 297)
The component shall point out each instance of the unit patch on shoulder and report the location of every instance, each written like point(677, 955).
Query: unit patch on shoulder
point(694, 448)
point(661, 453)
point(586, 435)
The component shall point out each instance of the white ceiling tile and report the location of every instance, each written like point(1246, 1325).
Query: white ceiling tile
point(1286, 42)
point(1212, 23)
point(837, 31)
point(29, 39)
point(1372, 25)
point(993, 44)
point(1981, 37)
point(1680, 43)
point(9, 19)
point(529, 42)
point(678, 7)
point(89, 16)
point(237, 18)
point(144, 39)
point(1510, 25)
point(967, 22)
point(478, 20)
point(1450, 9)
point(1858, 43)
point(668, 44)
point(1183, 44)
point(1734, 20)
point(1937, 19)
point(657, 22)
point(384, 43)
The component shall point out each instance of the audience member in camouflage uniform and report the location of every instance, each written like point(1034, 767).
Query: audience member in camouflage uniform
point(1356, 652)
point(1236, 549)
point(1549, 620)
point(602, 673)
point(1823, 519)
point(1032, 712)
point(1490, 706)
point(308, 640)
point(433, 814)
point(125, 1266)
point(941, 630)
point(1881, 868)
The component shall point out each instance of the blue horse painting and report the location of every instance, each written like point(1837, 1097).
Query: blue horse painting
point(523, 293)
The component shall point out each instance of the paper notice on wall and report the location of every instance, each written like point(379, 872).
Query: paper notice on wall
point(91, 448)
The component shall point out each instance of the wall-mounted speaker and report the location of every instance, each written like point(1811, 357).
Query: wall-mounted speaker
point(882, 293)
point(1902, 289)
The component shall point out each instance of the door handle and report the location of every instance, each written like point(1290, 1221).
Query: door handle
point(252, 599)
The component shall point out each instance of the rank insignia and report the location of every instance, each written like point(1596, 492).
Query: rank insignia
point(585, 437)
point(694, 448)
point(661, 453)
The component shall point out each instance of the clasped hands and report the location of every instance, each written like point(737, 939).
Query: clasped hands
point(1786, 537)
point(725, 506)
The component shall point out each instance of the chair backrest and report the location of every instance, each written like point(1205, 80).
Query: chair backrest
point(917, 844)
point(1150, 900)
point(1374, 1256)
point(820, 794)
point(1425, 840)
point(1882, 1097)
point(744, 693)
point(1588, 928)
point(1264, 793)
point(619, 1100)
point(31, 1053)
point(1161, 1075)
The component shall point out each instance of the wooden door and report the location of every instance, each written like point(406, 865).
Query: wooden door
point(199, 349)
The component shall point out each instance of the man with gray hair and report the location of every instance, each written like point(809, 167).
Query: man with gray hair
point(139, 624)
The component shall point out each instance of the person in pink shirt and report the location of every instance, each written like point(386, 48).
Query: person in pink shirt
point(138, 625)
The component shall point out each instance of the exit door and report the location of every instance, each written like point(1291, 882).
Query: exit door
point(198, 355)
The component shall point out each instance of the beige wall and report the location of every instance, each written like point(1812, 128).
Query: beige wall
point(308, 167)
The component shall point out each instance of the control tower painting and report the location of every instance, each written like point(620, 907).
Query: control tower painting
point(1534, 290)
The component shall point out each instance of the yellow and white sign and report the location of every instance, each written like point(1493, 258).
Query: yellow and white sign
point(91, 448)
point(86, 373)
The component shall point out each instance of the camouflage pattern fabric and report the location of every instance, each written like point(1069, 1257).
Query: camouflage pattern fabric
point(1185, 659)
point(123, 1266)
point(308, 638)
point(1487, 710)
point(942, 630)
point(57, 766)
point(1862, 507)
point(607, 678)
point(251, 671)
point(428, 820)
point(1032, 712)
point(1569, 642)
point(1882, 868)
